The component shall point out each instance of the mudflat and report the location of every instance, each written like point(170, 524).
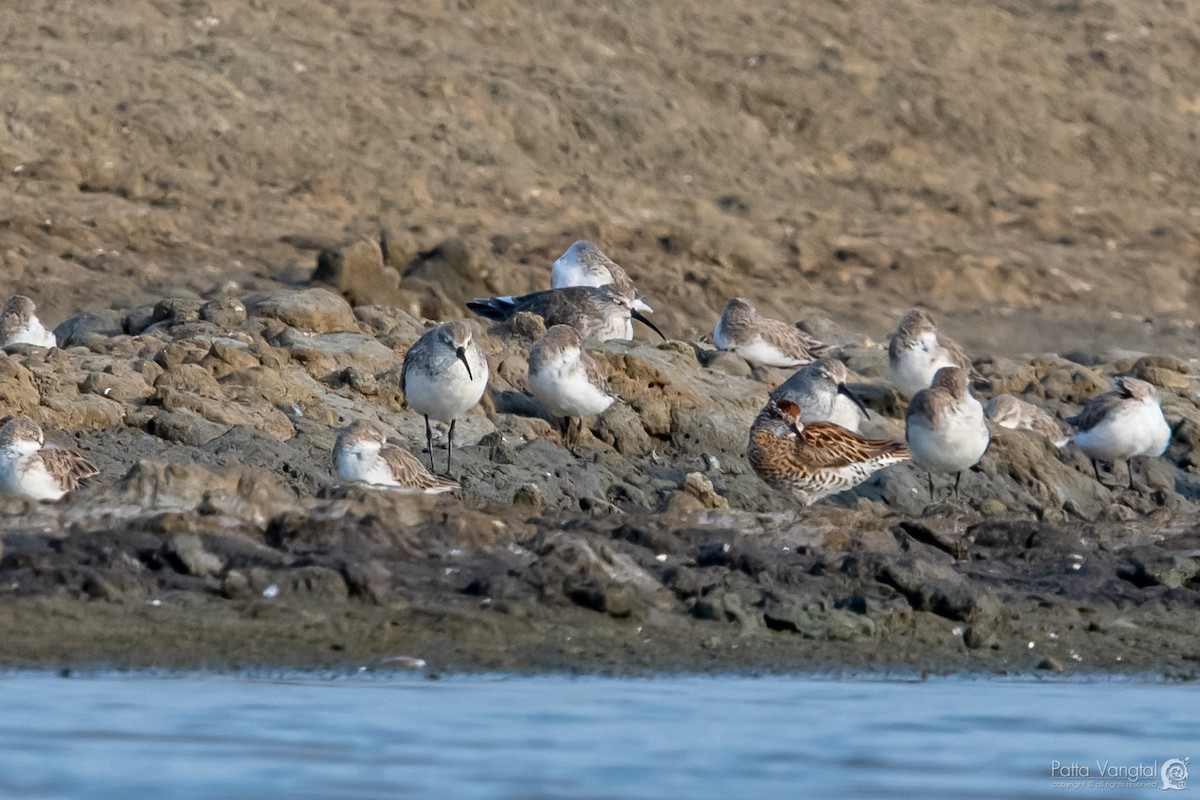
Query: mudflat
point(240, 216)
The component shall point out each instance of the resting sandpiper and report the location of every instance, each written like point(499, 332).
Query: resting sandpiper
point(811, 461)
point(566, 380)
point(918, 350)
point(598, 312)
point(1125, 423)
point(945, 428)
point(39, 472)
point(362, 453)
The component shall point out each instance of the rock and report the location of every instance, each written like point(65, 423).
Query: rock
point(189, 553)
point(700, 487)
point(324, 354)
point(81, 328)
point(18, 394)
point(177, 311)
point(314, 310)
point(526, 325)
point(357, 271)
point(226, 312)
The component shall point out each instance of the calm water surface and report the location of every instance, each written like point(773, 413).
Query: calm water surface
point(205, 736)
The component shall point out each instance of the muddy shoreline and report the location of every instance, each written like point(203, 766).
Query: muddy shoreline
point(195, 196)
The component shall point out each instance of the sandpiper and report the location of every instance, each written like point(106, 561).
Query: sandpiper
point(19, 324)
point(1016, 414)
point(918, 350)
point(1125, 423)
point(944, 426)
point(362, 453)
point(599, 313)
point(444, 374)
point(762, 340)
point(566, 380)
point(39, 472)
point(584, 264)
point(820, 391)
point(813, 460)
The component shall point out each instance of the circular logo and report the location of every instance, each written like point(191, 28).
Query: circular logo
point(1174, 774)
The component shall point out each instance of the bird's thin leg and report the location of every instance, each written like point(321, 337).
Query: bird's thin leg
point(1096, 470)
point(957, 481)
point(449, 446)
point(429, 442)
point(1129, 466)
point(930, 486)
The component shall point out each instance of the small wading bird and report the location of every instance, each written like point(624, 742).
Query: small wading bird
point(945, 428)
point(821, 392)
point(443, 376)
point(39, 472)
point(1125, 423)
point(811, 461)
point(1019, 415)
point(599, 313)
point(362, 453)
point(567, 381)
point(584, 264)
point(19, 324)
point(762, 340)
point(917, 350)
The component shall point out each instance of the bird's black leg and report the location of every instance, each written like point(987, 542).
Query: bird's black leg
point(429, 442)
point(957, 481)
point(449, 446)
point(1129, 465)
point(1096, 470)
point(930, 486)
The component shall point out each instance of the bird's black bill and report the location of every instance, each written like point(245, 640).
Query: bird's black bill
point(845, 392)
point(640, 317)
point(462, 356)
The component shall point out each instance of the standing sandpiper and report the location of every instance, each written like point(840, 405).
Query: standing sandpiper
point(918, 350)
point(362, 453)
point(584, 264)
point(762, 340)
point(1125, 423)
point(811, 461)
point(28, 468)
point(945, 428)
point(566, 380)
point(444, 375)
point(599, 313)
point(820, 391)
point(19, 324)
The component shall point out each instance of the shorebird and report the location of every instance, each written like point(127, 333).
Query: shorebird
point(1125, 423)
point(40, 472)
point(566, 380)
point(362, 453)
point(444, 374)
point(19, 324)
point(820, 391)
point(599, 313)
point(944, 426)
point(813, 460)
point(584, 264)
point(1017, 414)
point(918, 350)
point(762, 340)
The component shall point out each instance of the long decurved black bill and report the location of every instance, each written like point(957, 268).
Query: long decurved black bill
point(845, 391)
point(640, 317)
point(462, 356)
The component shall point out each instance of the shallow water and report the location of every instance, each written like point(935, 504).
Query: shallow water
point(369, 736)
